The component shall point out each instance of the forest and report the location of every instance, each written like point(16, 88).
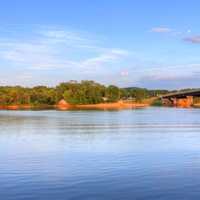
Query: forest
point(74, 92)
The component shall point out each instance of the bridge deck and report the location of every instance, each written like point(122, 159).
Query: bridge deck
point(183, 94)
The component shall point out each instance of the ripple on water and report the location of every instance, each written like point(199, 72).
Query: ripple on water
point(134, 154)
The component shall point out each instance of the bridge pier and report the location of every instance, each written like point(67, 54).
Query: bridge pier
point(185, 102)
point(167, 102)
point(190, 100)
point(174, 101)
point(180, 99)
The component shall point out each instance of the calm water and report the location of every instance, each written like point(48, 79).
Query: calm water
point(150, 153)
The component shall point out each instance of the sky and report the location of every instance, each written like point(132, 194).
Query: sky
point(152, 44)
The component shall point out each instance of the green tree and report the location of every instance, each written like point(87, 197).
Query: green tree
point(112, 93)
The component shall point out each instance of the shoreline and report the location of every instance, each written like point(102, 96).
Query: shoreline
point(65, 106)
point(104, 106)
point(27, 107)
point(101, 106)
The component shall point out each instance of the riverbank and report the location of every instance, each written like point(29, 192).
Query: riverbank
point(27, 107)
point(62, 105)
point(120, 105)
point(196, 105)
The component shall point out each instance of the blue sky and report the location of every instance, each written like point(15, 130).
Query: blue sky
point(153, 44)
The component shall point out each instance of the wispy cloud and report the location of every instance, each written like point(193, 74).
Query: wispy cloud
point(193, 39)
point(171, 32)
point(182, 35)
point(48, 55)
point(170, 77)
point(161, 30)
point(110, 55)
point(59, 54)
point(57, 48)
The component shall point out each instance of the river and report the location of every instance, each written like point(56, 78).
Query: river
point(151, 153)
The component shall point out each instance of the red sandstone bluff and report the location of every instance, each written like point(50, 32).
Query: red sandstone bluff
point(63, 105)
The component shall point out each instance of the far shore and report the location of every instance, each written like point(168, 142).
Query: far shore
point(26, 107)
point(65, 106)
point(120, 105)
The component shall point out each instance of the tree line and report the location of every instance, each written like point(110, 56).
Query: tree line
point(84, 92)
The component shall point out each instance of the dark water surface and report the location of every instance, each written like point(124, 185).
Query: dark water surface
point(150, 153)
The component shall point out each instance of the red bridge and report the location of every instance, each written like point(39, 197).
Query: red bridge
point(180, 99)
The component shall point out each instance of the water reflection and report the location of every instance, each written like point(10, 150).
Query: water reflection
point(134, 154)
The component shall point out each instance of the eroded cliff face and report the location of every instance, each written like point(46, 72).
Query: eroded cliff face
point(63, 105)
point(185, 103)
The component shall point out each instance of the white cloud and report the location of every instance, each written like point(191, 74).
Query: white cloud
point(61, 34)
point(161, 30)
point(55, 48)
point(111, 55)
point(124, 73)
